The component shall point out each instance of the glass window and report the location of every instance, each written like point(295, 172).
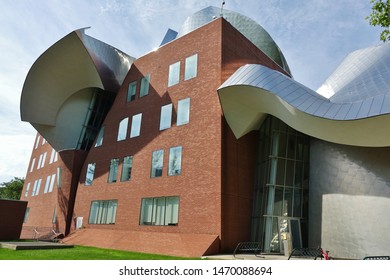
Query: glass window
point(174, 166)
point(113, 170)
point(166, 117)
point(52, 156)
point(54, 218)
point(37, 142)
point(90, 174)
point(191, 67)
point(122, 131)
point(47, 184)
point(39, 161)
point(43, 160)
point(27, 190)
point(36, 188)
point(144, 86)
point(160, 211)
point(32, 165)
point(174, 74)
point(59, 177)
point(103, 212)
point(136, 125)
point(26, 215)
point(52, 180)
point(99, 139)
point(131, 91)
point(157, 163)
point(183, 111)
point(126, 168)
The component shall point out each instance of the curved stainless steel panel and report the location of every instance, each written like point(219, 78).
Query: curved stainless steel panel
point(248, 27)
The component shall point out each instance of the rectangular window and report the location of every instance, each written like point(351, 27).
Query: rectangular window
point(54, 218)
point(43, 159)
point(113, 170)
point(59, 177)
point(90, 174)
point(32, 165)
point(166, 117)
point(27, 190)
point(144, 90)
point(122, 131)
point(99, 139)
point(136, 125)
point(183, 111)
point(174, 165)
point(174, 74)
point(37, 141)
point(160, 211)
point(47, 184)
point(191, 67)
point(26, 215)
point(36, 188)
point(43, 141)
point(52, 156)
point(39, 161)
point(126, 168)
point(131, 91)
point(103, 212)
point(157, 163)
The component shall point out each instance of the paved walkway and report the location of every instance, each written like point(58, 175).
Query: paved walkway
point(247, 257)
point(33, 245)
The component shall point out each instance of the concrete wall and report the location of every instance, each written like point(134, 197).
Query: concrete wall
point(349, 199)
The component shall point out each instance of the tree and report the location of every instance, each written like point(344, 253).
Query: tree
point(381, 16)
point(12, 189)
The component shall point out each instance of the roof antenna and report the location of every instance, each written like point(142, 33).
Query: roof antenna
point(223, 3)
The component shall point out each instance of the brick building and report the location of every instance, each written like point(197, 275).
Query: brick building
point(195, 146)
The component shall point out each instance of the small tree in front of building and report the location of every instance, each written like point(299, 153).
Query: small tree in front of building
point(12, 189)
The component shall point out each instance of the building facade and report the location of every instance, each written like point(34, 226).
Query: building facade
point(201, 144)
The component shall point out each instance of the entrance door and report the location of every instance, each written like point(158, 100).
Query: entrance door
point(292, 226)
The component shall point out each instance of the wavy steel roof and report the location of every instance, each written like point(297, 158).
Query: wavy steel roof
point(247, 26)
point(254, 91)
point(61, 83)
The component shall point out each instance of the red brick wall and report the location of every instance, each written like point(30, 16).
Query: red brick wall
point(199, 185)
point(42, 205)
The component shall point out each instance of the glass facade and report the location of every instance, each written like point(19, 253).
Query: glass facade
point(281, 190)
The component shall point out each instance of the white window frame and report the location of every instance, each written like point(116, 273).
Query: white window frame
point(183, 111)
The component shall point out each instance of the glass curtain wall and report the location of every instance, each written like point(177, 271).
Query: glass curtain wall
point(281, 189)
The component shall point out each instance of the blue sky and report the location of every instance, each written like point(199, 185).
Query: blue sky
point(314, 35)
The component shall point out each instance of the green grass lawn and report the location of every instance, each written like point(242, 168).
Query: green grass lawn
point(79, 253)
